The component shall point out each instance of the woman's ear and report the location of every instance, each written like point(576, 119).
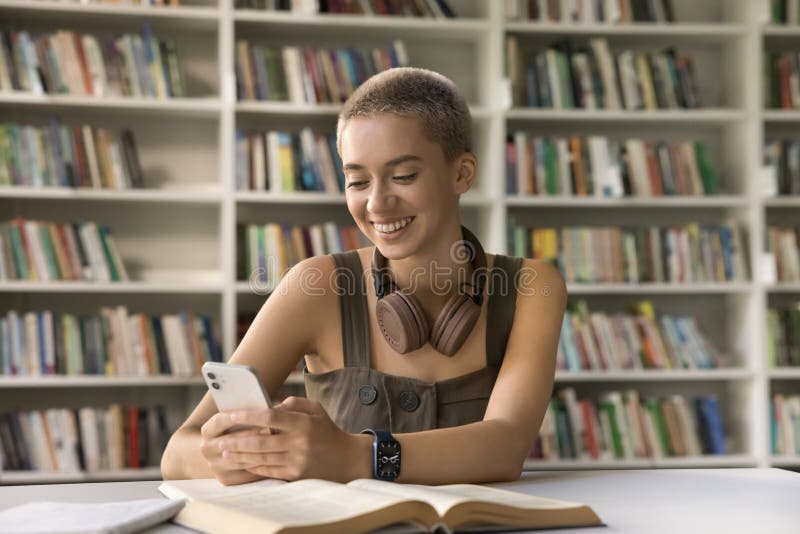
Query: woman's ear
point(466, 166)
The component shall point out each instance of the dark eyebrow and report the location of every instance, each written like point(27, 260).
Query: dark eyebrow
point(391, 163)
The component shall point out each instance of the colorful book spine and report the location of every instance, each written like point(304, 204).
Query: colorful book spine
point(59, 156)
point(65, 62)
point(593, 341)
point(288, 162)
point(112, 342)
point(572, 76)
point(626, 425)
point(309, 75)
point(267, 252)
point(687, 254)
point(598, 166)
point(86, 440)
point(41, 250)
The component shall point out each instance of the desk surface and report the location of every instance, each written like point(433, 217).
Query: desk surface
point(634, 501)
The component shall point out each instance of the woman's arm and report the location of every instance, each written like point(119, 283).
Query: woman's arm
point(272, 345)
point(492, 450)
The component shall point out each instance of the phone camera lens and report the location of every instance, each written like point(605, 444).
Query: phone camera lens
point(212, 376)
point(215, 385)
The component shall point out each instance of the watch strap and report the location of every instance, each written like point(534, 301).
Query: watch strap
point(380, 435)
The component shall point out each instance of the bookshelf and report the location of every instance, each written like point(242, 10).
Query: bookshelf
point(178, 236)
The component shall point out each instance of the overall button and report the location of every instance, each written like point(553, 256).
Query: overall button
point(409, 401)
point(367, 394)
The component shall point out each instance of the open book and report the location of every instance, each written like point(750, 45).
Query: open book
point(311, 505)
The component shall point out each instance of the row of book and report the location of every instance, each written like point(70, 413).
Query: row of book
point(784, 416)
point(65, 62)
point(688, 254)
point(68, 156)
point(624, 425)
point(599, 166)
point(267, 251)
point(405, 8)
point(88, 439)
point(288, 161)
point(567, 76)
point(309, 75)
point(45, 251)
point(608, 11)
point(111, 342)
point(592, 341)
point(784, 11)
point(782, 80)
point(783, 243)
point(783, 336)
point(783, 155)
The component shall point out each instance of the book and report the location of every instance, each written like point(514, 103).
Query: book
point(312, 505)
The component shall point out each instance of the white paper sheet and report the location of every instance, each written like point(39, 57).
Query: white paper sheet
point(87, 518)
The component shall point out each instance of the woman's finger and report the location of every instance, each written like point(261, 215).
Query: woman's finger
point(280, 472)
point(252, 459)
point(300, 404)
point(255, 443)
point(268, 418)
point(221, 464)
point(216, 425)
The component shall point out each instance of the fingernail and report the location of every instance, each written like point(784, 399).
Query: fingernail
point(226, 454)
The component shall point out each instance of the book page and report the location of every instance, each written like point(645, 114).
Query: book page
point(208, 489)
point(305, 502)
point(443, 498)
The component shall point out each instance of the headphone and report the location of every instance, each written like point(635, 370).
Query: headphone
point(402, 320)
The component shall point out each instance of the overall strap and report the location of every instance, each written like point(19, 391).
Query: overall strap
point(502, 290)
point(353, 309)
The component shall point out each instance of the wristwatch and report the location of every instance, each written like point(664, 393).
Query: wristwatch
point(385, 455)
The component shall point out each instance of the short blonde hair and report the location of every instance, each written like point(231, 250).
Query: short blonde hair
point(414, 92)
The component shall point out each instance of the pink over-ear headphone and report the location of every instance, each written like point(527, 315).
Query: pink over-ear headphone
point(402, 320)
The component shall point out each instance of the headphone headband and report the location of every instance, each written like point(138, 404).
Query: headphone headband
point(383, 280)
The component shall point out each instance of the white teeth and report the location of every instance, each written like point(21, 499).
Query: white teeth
point(392, 227)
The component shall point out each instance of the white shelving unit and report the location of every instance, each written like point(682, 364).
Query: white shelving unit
point(178, 236)
point(771, 211)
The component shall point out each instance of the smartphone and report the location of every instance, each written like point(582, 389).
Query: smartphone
point(235, 387)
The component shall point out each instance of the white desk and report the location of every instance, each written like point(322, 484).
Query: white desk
point(636, 501)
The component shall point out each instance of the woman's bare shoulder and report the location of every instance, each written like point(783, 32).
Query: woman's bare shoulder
point(309, 280)
point(540, 278)
point(313, 281)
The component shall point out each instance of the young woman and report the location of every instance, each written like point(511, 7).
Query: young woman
point(443, 354)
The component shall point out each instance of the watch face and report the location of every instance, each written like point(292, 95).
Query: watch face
point(388, 459)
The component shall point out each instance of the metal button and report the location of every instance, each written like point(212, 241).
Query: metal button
point(409, 401)
point(367, 394)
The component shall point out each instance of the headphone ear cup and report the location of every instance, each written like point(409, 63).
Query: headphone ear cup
point(423, 325)
point(402, 322)
point(455, 324)
point(444, 317)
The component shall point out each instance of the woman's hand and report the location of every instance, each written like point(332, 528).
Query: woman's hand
point(227, 471)
point(308, 444)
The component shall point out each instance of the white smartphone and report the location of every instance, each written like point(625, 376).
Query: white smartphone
point(235, 387)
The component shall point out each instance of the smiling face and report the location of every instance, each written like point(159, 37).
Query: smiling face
point(399, 187)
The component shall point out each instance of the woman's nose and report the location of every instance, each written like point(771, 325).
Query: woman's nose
point(381, 198)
